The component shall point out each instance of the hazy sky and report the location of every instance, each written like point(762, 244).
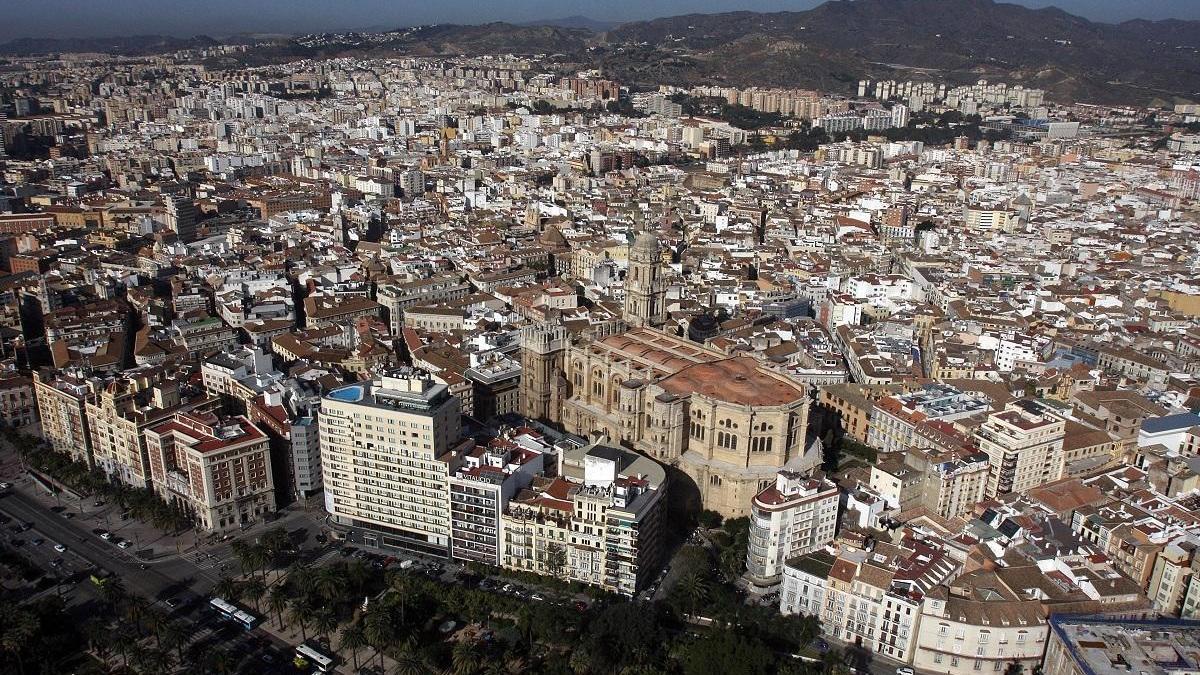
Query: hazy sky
point(94, 18)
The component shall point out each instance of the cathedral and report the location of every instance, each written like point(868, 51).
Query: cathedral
point(728, 423)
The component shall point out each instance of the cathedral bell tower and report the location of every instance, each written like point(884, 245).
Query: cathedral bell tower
point(645, 287)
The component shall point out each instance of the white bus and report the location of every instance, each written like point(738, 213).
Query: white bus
point(319, 660)
point(231, 612)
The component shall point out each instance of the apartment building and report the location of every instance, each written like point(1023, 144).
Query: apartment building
point(386, 452)
point(977, 624)
point(217, 470)
point(397, 297)
point(894, 419)
point(61, 403)
point(599, 522)
point(796, 515)
point(119, 415)
point(871, 598)
point(1024, 444)
point(480, 489)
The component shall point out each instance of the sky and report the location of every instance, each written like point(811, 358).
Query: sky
point(99, 18)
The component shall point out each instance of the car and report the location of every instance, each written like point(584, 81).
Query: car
point(58, 509)
point(57, 562)
point(507, 588)
point(125, 543)
point(904, 670)
point(5, 486)
point(60, 548)
point(105, 535)
point(37, 541)
point(18, 542)
point(267, 658)
point(537, 596)
point(173, 602)
point(68, 514)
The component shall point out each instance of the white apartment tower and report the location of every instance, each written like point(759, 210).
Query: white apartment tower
point(386, 453)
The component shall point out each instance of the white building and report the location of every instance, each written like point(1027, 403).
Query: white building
point(796, 515)
point(386, 450)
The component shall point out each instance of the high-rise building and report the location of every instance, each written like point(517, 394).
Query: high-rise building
point(480, 489)
point(386, 452)
point(181, 217)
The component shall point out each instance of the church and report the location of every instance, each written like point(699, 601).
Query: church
point(729, 424)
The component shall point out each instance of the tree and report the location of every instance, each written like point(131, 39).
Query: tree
point(325, 623)
point(464, 659)
point(352, 638)
point(556, 559)
point(299, 612)
point(329, 583)
point(254, 590)
point(137, 610)
point(277, 602)
point(409, 661)
point(175, 635)
point(227, 588)
point(220, 662)
point(379, 632)
point(155, 622)
point(724, 652)
point(20, 627)
point(694, 589)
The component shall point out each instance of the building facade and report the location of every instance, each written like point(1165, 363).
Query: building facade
point(217, 470)
point(386, 452)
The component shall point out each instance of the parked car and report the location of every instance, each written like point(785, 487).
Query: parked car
point(60, 548)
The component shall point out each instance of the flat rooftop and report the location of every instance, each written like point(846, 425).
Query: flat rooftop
point(1111, 647)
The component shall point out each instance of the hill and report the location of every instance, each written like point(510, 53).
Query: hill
point(131, 45)
point(958, 40)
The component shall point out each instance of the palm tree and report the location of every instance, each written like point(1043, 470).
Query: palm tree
point(155, 622)
point(325, 623)
point(277, 601)
point(329, 583)
point(158, 661)
point(227, 588)
point(464, 660)
point(175, 635)
point(401, 590)
point(298, 612)
point(253, 590)
point(409, 662)
point(258, 559)
point(240, 549)
point(379, 632)
point(695, 589)
point(300, 578)
point(137, 610)
point(20, 628)
point(354, 639)
point(99, 637)
point(112, 592)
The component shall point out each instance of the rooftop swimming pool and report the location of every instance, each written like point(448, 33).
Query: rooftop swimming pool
point(351, 394)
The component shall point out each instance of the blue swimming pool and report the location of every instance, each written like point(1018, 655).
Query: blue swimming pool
point(352, 394)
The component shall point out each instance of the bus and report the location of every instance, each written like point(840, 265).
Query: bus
point(231, 612)
point(309, 655)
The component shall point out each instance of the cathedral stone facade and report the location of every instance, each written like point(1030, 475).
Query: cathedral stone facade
point(728, 423)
